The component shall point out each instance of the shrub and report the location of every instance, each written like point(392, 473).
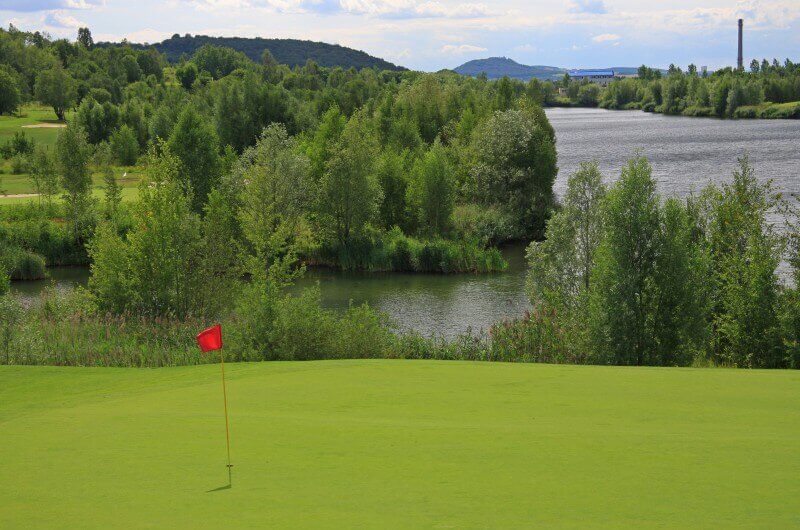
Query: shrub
point(23, 265)
point(125, 146)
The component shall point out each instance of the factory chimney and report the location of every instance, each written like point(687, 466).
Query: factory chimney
point(740, 63)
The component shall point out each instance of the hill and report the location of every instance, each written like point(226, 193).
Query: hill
point(399, 444)
point(286, 51)
point(497, 67)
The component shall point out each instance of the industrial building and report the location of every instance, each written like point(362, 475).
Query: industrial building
point(601, 77)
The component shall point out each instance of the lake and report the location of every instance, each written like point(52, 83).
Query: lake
point(686, 154)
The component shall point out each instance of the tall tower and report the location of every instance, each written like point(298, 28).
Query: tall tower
point(740, 63)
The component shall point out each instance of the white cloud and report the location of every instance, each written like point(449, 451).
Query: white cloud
point(460, 49)
point(31, 6)
point(596, 7)
point(59, 19)
point(606, 37)
point(525, 48)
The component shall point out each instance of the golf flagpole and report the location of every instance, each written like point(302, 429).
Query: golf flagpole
point(209, 340)
point(225, 402)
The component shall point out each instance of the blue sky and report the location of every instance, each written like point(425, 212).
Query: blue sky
point(433, 34)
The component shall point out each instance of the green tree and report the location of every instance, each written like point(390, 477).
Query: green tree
point(72, 159)
point(431, 192)
point(349, 194)
point(322, 146)
point(623, 297)
point(391, 171)
point(125, 146)
point(194, 142)
point(57, 88)
point(113, 194)
point(745, 253)
point(274, 195)
point(164, 243)
point(85, 38)
point(44, 175)
point(516, 165)
point(186, 74)
point(9, 93)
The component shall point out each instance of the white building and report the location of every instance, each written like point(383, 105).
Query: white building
point(601, 77)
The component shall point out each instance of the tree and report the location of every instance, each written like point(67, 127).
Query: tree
point(113, 194)
point(194, 142)
point(320, 149)
point(349, 194)
point(745, 253)
point(163, 243)
point(623, 295)
point(561, 264)
point(187, 74)
point(391, 170)
point(55, 87)
point(44, 176)
point(72, 158)
point(681, 316)
point(85, 38)
point(431, 193)
point(516, 165)
point(125, 146)
point(274, 195)
point(9, 93)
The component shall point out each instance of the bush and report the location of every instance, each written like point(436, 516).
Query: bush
point(125, 146)
point(486, 225)
point(24, 265)
point(698, 111)
point(5, 281)
point(395, 251)
point(20, 164)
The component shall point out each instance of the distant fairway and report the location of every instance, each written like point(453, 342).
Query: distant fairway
point(400, 444)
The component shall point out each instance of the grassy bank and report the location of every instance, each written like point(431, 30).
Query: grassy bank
point(396, 444)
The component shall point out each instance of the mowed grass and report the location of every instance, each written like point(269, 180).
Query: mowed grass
point(11, 184)
point(400, 444)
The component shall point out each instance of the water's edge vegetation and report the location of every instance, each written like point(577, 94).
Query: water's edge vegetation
point(247, 171)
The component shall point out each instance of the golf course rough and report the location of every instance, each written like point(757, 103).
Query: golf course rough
point(399, 444)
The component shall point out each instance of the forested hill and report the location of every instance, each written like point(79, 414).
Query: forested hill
point(497, 67)
point(286, 51)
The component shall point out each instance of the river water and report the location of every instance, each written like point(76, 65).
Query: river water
point(686, 154)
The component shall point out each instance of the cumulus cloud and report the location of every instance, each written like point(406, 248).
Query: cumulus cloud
point(606, 37)
point(460, 49)
point(31, 6)
point(595, 7)
point(59, 19)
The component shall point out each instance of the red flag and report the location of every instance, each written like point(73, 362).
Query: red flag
point(210, 339)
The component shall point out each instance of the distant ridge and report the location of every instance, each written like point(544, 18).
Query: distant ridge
point(497, 67)
point(286, 51)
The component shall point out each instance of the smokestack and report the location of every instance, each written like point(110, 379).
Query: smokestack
point(740, 63)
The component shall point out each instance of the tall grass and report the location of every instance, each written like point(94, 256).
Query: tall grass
point(395, 251)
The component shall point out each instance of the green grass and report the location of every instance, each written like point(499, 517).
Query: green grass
point(21, 184)
point(30, 115)
point(400, 444)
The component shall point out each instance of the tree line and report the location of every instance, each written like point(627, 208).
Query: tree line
point(627, 277)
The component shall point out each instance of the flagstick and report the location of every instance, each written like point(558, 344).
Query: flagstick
point(225, 400)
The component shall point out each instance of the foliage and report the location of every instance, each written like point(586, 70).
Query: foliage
point(196, 146)
point(516, 165)
point(57, 88)
point(125, 146)
point(72, 155)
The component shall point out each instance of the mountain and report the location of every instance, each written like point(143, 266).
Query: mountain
point(497, 67)
point(286, 51)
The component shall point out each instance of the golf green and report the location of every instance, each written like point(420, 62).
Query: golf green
point(399, 444)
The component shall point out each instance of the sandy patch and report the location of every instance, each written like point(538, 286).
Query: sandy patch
point(45, 126)
point(19, 195)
